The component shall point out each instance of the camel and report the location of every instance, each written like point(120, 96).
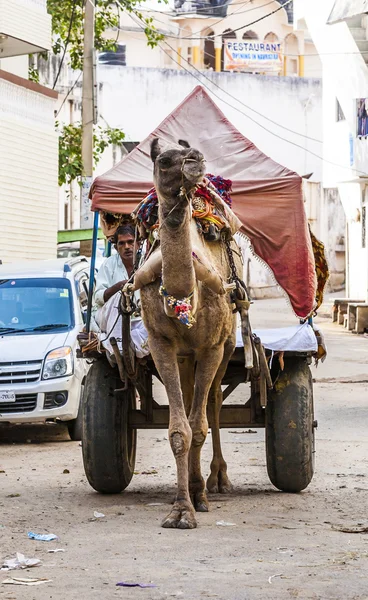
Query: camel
point(190, 357)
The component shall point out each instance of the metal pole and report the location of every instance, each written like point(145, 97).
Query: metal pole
point(92, 271)
point(87, 112)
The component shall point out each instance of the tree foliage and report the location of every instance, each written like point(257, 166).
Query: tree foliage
point(68, 35)
point(70, 148)
point(67, 26)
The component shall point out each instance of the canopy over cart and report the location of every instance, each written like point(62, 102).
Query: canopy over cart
point(267, 197)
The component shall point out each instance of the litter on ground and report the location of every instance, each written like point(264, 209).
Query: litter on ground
point(141, 585)
point(20, 562)
point(25, 581)
point(273, 577)
point(42, 537)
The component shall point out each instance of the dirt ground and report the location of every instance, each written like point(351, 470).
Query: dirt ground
point(274, 545)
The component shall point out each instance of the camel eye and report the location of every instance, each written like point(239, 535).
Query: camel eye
point(165, 162)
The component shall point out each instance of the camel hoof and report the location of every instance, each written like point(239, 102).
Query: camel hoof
point(225, 486)
point(219, 483)
point(202, 507)
point(226, 489)
point(180, 517)
point(200, 502)
point(212, 485)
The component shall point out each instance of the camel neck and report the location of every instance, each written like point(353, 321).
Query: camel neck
point(178, 275)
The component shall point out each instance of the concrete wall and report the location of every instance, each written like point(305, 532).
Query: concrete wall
point(28, 175)
point(334, 221)
point(16, 64)
point(345, 78)
point(138, 99)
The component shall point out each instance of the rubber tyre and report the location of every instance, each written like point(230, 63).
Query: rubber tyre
point(108, 443)
point(75, 426)
point(290, 428)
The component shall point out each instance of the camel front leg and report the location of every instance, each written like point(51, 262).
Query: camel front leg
point(207, 366)
point(182, 514)
point(218, 480)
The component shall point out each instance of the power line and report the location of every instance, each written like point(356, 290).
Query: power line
point(245, 105)
point(220, 34)
point(256, 122)
point(239, 101)
point(66, 43)
point(240, 111)
point(69, 92)
point(197, 10)
point(236, 12)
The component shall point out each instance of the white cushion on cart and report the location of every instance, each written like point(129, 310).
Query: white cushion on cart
point(298, 338)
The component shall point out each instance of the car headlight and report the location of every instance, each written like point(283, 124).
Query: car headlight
point(58, 363)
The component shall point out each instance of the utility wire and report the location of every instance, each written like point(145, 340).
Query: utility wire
point(220, 34)
point(236, 12)
point(69, 92)
point(245, 105)
point(256, 122)
point(196, 11)
point(236, 99)
point(66, 43)
point(143, 27)
point(230, 95)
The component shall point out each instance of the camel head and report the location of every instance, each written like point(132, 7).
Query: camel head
point(176, 169)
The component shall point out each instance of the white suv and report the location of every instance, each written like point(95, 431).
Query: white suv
point(41, 313)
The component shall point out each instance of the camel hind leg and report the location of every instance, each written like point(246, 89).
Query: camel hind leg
point(218, 480)
point(207, 365)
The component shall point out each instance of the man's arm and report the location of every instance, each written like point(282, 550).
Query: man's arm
point(109, 292)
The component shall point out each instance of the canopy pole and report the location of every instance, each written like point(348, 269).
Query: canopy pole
point(92, 271)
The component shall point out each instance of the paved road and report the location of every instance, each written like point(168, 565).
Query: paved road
point(280, 546)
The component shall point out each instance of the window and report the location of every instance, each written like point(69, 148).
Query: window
point(82, 281)
point(209, 60)
point(114, 58)
point(362, 117)
point(36, 303)
point(364, 226)
point(250, 35)
point(339, 112)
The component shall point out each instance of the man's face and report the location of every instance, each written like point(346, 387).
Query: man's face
point(125, 247)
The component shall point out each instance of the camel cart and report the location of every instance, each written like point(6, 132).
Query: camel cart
point(118, 399)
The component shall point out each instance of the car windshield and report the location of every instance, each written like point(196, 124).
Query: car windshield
point(28, 304)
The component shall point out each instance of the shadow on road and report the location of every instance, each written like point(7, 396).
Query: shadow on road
point(33, 434)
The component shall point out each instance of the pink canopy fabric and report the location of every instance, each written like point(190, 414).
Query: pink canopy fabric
point(267, 197)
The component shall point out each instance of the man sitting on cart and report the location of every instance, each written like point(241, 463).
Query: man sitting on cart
point(111, 277)
point(116, 270)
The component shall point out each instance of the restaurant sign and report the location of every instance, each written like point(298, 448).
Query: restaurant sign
point(255, 56)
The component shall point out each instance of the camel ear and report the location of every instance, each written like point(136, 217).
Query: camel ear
point(184, 143)
point(155, 149)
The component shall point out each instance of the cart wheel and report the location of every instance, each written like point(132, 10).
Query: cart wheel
point(290, 428)
point(75, 425)
point(108, 443)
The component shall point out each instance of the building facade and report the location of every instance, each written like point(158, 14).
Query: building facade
point(251, 37)
point(339, 31)
point(28, 142)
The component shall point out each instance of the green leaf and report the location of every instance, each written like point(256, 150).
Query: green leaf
point(70, 148)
